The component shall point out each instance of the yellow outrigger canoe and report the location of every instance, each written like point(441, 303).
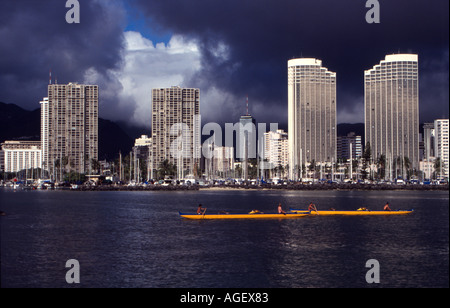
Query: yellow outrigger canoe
point(245, 216)
point(356, 213)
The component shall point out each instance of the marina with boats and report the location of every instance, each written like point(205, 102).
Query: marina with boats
point(98, 183)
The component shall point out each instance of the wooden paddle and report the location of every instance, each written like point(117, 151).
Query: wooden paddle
point(315, 209)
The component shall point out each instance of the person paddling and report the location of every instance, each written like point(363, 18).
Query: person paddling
point(312, 207)
point(386, 207)
point(201, 210)
point(280, 209)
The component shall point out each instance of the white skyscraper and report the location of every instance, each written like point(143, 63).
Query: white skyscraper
point(441, 144)
point(312, 114)
point(392, 109)
point(44, 132)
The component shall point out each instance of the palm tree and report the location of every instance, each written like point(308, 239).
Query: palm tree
point(355, 165)
point(312, 168)
point(407, 165)
point(65, 162)
point(95, 165)
point(238, 171)
point(367, 156)
point(397, 166)
point(381, 166)
point(437, 167)
point(167, 169)
point(275, 172)
point(281, 170)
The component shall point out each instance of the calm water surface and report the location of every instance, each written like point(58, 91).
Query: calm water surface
point(137, 239)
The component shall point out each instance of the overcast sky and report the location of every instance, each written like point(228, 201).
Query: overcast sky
point(229, 49)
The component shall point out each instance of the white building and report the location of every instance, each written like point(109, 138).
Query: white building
point(142, 154)
point(21, 155)
point(392, 108)
point(44, 130)
point(144, 140)
point(427, 167)
point(311, 114)
point(441, 145)
point(276, 148)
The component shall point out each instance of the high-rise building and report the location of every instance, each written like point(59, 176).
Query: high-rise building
point(247, 142)
point(69, 128)
point(141, 155)
point(345, 142)
point(426, 151)
point(142, 148)
point(44, 132)
point(176, 128)
point(276, 148)
point(392, 108)
point(2, 160)
point(247, 138)
point(441, 145)
point(312, 114)
point(428, 141)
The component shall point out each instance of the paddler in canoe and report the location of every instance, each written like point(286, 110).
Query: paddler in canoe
point(280, 209)
point(386, 207)
point(201, 210)
point(312, 207)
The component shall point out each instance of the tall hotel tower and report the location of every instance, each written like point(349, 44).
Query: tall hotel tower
point(176, 128)
point(392, 108)
point(312, 114)
point(69, 128)
point(441, 145)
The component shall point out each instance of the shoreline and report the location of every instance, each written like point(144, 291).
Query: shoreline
point(266, 187)
point(336, 187)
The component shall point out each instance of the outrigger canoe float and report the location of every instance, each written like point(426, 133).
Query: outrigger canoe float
point(251, 215)
point(355, 213)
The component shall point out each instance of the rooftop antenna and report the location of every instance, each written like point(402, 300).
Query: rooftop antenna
point(50, 77)
point(247, 104)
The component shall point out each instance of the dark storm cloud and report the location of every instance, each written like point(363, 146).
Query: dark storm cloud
point(245, 45)
point(35, 38)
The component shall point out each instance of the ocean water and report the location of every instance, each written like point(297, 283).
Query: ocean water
point(137, 239)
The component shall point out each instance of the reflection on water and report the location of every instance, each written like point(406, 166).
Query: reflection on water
point(137, 239)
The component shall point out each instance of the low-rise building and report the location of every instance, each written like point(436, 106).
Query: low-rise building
point(21, 155)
